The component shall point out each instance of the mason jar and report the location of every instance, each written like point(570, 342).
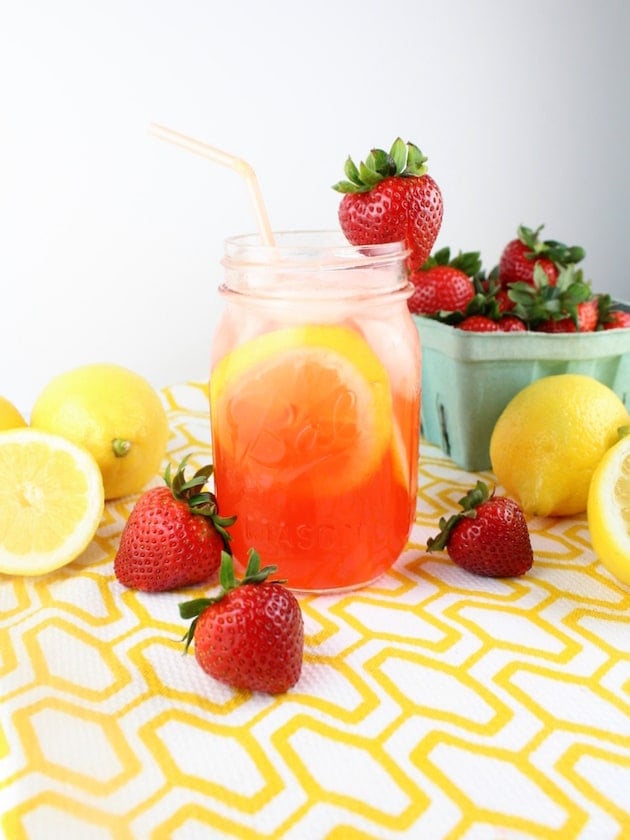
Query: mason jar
point(315, 406)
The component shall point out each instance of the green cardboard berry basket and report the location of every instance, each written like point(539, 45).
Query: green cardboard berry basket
point(468, 378)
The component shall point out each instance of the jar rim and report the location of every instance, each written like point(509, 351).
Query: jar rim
point(319, 265)
point(324, 249)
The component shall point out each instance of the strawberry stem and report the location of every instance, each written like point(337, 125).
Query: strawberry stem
point(228, 581)
point(469, 504)
point(403, 159)
point(561, 254)
point(202, 503)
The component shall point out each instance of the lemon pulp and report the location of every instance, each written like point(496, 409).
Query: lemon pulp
point(51, 501)
point(608, 510)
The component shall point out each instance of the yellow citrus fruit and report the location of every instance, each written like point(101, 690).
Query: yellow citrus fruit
point(550, 437)
point(608, 510)
point(115, 414)
point(10, 417)
point(304, 400)
point(51, 501)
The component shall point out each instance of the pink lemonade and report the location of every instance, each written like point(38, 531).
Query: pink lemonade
point(315, 406)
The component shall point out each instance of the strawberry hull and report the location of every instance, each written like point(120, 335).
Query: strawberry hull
point(468, 378)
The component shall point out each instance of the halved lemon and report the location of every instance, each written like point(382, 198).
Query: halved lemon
point(51, 501)
point(608, 510)
point(303, 406)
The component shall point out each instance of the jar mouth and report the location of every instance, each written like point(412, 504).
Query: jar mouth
point(321, 262)
point(297, 247)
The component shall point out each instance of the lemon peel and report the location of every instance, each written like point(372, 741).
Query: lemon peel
point(115, 414)
point(549, 439)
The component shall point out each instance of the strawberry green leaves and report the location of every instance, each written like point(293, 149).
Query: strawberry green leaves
point(403, 159)
point(558, 252)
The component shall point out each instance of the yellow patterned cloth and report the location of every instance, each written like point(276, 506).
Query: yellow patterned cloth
point(433, 704)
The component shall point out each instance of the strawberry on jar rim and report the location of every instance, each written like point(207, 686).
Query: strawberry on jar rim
point(390, 198)
point(489, 536)
point(521, 255)
point(251, 634)
point(174, 535)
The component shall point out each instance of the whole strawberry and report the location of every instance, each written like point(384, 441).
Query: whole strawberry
point(250, 635)
point(479, 323)
point(488, 536)
point(520, 256)
point(585, 319)
point(610, 316)
point(567, 305)
point(174, 535)
point(390, 198)
point(618, 319)
point(511, 323)
point(444, 285)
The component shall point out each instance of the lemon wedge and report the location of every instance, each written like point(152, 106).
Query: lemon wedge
point(51, 501)
point(608, 510)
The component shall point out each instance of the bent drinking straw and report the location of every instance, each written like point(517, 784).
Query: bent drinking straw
point(225, 159)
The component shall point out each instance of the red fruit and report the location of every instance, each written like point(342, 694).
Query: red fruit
point(441, 288)
point(478, 323)
point(587, 314)
point(521, 255)
point(566, 306)
point(174, 535)
point(251, 635)
point(617, 319)
point(503, 301)
point(517, 266)
point(510, 323)
point(390, 198)
point(489, 536)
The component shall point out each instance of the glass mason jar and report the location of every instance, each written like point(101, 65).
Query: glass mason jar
point(315, 406)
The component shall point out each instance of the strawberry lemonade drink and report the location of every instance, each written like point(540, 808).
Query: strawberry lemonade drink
point(315, 406)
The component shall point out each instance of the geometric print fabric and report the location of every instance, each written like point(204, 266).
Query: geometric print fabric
point(432, 704)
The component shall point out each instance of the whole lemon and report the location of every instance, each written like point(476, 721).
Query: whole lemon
point(115, 414)
point(10, 417)
point(550, 437)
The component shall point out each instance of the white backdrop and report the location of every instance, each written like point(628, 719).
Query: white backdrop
point(110, 239)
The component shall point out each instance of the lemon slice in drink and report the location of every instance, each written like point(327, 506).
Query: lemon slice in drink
point(305, 406)
point(608, 510)
point(51, 501)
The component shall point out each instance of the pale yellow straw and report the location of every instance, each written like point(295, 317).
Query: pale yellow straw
point(225, 159)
